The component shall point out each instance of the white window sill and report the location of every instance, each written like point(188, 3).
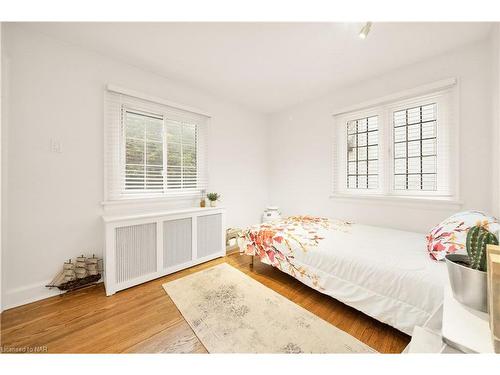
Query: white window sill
point(422, 202)
point(179, 211)
point(150, 200)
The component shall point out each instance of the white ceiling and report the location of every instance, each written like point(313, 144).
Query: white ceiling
point(267, 66)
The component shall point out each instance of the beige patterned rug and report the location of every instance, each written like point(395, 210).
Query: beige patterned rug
point(232, 313)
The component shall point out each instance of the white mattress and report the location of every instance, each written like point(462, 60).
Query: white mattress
point(385, 273)
point(382, 272)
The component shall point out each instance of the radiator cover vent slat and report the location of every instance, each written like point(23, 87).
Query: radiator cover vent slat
point(177, 242)
point(209, 234)
point(135, 251)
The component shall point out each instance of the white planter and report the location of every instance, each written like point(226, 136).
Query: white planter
point(213, 203)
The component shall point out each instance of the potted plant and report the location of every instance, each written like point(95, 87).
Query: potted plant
point(468, 272)
point(213, 198)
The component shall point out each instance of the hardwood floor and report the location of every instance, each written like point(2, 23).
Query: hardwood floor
point(143, 319)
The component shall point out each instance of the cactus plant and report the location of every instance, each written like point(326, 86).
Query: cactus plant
point(477, 239)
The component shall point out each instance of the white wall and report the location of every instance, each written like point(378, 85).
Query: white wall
point(1, 273)
point(51, 200)
point(495, 81)
point(301, 162)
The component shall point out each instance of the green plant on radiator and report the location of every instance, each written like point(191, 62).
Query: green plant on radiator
point(477, 239)
point(212, 197)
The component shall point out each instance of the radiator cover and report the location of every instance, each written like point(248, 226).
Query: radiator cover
point(143, 247)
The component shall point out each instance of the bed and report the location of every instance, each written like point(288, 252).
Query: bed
point(385, 273)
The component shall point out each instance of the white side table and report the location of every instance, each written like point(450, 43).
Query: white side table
point(425, 340)
point(465, 328)
point(453, 328)
point(428, 339)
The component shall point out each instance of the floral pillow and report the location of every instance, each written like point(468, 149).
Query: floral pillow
point(450, 235)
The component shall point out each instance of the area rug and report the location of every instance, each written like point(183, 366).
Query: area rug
point(232, 313)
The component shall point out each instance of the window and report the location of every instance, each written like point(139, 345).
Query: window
point(398, 148)
point(181, 157)
point(362, 153)
point(415, 147)
point(143, 135)
point(153, 149)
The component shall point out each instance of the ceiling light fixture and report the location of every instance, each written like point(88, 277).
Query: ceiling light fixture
point(363, 33)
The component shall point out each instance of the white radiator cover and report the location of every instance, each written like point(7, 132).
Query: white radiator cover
point(143, 247)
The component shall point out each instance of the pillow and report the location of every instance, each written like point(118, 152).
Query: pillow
point(450, 235)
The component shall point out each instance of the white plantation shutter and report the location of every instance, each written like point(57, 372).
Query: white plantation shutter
point(362, 153)
point(153, 149)
point(357, 158)
point(415, 148)
point(423, 161)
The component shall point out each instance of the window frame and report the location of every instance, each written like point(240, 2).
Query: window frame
point(117, 101)
point(444, 94)
point(166, 191)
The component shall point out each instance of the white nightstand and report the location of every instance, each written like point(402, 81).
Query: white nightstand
point(428, 339)
point(465, 328)
point(453, 328)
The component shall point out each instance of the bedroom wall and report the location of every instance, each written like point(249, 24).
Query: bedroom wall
point(301, 162)
point(495, 139)
point(1, 253)
point(52, 201)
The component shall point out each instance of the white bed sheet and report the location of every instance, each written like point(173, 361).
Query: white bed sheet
point(382, 272)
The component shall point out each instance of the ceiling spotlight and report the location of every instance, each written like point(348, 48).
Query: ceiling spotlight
point(363, 33)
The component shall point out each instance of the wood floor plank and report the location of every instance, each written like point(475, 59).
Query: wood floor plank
point(144, 319)
point(178, 338)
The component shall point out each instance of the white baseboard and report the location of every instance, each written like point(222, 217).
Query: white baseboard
point(27, 294)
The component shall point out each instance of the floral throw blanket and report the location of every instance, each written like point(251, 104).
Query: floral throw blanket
point(277, 242)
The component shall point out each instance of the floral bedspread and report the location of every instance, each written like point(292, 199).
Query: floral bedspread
point(276, 243)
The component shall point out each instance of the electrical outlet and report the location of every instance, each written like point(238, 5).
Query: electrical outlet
point(55, 146)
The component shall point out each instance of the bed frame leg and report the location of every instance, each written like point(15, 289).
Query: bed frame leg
point(252, 264)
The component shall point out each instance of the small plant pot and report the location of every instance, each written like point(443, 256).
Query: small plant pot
point(469, 286)
point(213, 203)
